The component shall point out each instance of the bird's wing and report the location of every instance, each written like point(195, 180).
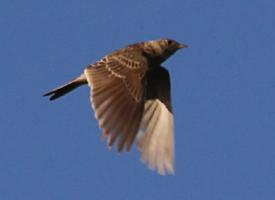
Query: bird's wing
point(117, 91)
point(156, 136)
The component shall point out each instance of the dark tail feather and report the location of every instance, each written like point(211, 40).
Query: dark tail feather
point(64, 89)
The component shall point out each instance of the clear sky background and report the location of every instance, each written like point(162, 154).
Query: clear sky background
point(223, 96)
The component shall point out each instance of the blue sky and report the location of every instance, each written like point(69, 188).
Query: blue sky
point(223, 97)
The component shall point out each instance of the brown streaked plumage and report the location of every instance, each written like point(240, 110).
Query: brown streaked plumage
point(130, 93)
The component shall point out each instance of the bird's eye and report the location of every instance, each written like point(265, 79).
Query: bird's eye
point(169, 42)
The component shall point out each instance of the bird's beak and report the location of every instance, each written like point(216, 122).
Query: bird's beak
point(181, 46)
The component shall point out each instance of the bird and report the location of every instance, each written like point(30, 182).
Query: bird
point(130, 93)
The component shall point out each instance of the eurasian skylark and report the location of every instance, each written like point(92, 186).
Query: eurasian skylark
point(130, 93)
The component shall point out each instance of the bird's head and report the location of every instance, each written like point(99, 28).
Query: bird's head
point(160, 50)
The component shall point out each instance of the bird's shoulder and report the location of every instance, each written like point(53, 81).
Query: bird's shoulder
point(125, 62)
point(131, 56)
point(134, 51)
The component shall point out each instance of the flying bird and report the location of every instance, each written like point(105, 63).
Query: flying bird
point(130, 94)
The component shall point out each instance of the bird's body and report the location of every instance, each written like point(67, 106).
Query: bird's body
point(130, 93)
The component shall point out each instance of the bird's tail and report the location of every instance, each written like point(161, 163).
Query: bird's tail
point(64, 89)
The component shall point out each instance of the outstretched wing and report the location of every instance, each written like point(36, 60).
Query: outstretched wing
point(117, 96)
point(156, 137)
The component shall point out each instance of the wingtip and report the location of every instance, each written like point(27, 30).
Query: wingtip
point(51, 98)
point(48, 94)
